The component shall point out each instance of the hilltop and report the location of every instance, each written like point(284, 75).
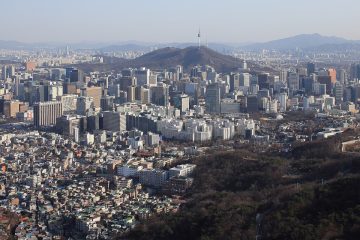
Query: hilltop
point(170, 57)
point(187, 57)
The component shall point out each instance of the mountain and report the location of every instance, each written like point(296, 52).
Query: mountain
point(125, 47)
point(302, 41)
point(170, 57)
point(187, 57)
point(310, 193)
point(143, 47)
point(12, 45)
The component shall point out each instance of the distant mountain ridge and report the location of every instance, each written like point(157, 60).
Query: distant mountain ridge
point(303, 41)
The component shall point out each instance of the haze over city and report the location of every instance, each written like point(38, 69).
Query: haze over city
point(179, 120)
point(175, 21)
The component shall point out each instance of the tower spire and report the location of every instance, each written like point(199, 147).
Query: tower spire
point(199, 39)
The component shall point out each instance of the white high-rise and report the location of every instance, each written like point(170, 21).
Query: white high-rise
point(283, 97)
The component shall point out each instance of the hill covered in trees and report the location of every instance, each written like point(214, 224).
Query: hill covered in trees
point(241, 195)
point(170, 57)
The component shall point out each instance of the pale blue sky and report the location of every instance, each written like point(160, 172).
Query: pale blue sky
point(175, 20)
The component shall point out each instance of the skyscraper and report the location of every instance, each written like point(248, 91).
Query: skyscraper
point(338, 92)
point(342, 76)
point(252, 104)
point(332, 75)
point(131, 93)
point(107, 103)
point(126, 82)
point(311, 68)
point(244, 80)
point(114, 121)
point(4, 72)
point(143, 76)
point(83, 104)
point(263, 81)
point(283, 97)
point(293, 81)
point(160, 94)
point(327, 81)
point(76, 75)
point(213, 98)
point(46, 113)
point(234, 81)
point(68, 102)
point(355, 71)
point(182, 102)
point(94, 92)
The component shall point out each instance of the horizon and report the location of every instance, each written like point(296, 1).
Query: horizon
point(110, 21)
point(143, 43)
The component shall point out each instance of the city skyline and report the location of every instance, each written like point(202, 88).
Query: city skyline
point(230, 22)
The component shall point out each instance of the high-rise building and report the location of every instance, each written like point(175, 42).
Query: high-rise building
point(153, 80)
point(338, 92)
point(308, 84)
point(160, 94)
point(94, 92)
point(83, 104)
point(263, 81)
point(70, 88)
point(54, 91)
point(57, 74)
point(213, 98)
point(342, 76)
point(93, 123)
point(293, 81)
point(327, 81)
point(7, 72)
point(114, 121)
point(302, 72)
point(131, 94)
point(264, 93)
point(12, 107)
point(76, 75)
point(283, 97)
point(355, 93)
point(234, 81)
point(252, 104)
point(332, 75)
point(355, 71)
point(143, 76)
point(107, 103)
point(254, 89)
point(142, 94)
point(46, 113)
point(311, 68)
point(145, 96)
point(17, 87)
point(283, 76)
point(244, 80)
point(68, 102)
point(182, 102)
point(68, 125)
point(127, 81)
point(30, 66)
point(243, 65)
point(4, 73)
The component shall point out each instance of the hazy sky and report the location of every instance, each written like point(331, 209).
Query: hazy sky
point(175, 20)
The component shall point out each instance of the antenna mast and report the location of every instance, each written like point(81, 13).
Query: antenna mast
point(199, 39)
